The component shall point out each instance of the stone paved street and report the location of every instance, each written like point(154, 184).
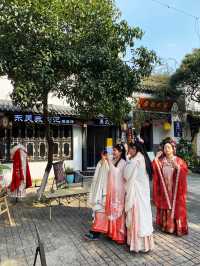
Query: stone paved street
point(64, 244)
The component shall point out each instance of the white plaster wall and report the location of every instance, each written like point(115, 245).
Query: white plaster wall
point(76, 164)
point(159, 133)
point(6, 89)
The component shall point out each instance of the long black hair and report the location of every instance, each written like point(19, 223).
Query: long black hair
point(140, 148)
point(120, 148)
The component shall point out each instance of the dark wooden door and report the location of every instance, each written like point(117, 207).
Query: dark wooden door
point(96, 143)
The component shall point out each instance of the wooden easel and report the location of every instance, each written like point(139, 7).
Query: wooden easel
point(40, 250)
point(3, 201)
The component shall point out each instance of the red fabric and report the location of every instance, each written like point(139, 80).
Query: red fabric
point(116, 230)
point(100, 223)
point(115, 207)
point(167, 224)
point(116, 227)
point(18, 175)
point(111, 228)
point(159, 198)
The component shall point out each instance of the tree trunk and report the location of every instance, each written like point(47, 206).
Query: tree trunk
point(50, 147)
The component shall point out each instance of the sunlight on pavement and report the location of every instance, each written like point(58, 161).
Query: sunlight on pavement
point(9, 263)
point(196, 227)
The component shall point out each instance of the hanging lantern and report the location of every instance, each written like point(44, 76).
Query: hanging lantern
point(166, 126)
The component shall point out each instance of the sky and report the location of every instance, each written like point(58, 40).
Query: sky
point(169, 33)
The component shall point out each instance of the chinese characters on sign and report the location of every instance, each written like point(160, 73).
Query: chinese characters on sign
point(39, 119)
point(104, 122)
point(18, 118)
point(154, 105)
point(177, 129)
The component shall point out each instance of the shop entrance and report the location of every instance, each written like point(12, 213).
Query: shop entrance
point(146, 134)
point(96, 142)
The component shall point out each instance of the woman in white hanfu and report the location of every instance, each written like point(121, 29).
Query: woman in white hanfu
point(97, 199)
point(137, 202)
point(107, 197)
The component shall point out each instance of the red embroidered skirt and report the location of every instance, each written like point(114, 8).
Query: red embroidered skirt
point(169, 225)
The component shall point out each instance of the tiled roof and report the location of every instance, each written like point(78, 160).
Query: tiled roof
point(157, 84)
point(8, 106)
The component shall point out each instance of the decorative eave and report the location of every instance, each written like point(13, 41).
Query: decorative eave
point(9, 107)
point(152, 114)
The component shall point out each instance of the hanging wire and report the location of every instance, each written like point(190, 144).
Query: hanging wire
point(176, 9)
point(183, 12)
point(165, 66)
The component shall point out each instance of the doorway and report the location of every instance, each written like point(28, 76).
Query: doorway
point(96, 142)
point(146, 134)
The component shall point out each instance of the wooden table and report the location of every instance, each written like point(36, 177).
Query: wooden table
point(71, 193)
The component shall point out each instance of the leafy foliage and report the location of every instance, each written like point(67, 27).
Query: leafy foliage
point(159, 84)
point(71, 48)
point(187, 77)
point(184, 150)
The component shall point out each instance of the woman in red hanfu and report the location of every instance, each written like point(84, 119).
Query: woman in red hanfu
point(107, 197)
point(21, 178)
point(170, 189)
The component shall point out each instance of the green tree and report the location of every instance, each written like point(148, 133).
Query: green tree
point(71, 48)
point(187, 76)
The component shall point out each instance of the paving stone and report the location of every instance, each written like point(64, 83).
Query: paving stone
point(64, 243)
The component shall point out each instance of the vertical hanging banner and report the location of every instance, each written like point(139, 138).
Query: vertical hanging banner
point(178, 129)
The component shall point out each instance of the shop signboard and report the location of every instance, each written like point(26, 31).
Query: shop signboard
point(103, 122)
point(39, 119)
point(178, 132)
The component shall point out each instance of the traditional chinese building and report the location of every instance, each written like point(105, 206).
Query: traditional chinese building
point(156, 114)
point(76, 141)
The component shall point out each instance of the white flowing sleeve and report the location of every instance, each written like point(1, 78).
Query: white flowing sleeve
point(131, 172)
point(94, 180)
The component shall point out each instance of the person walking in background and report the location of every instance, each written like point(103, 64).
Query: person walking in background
point(170, 189)
point(137, 202)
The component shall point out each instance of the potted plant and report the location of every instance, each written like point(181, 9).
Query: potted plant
point(69, 175)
